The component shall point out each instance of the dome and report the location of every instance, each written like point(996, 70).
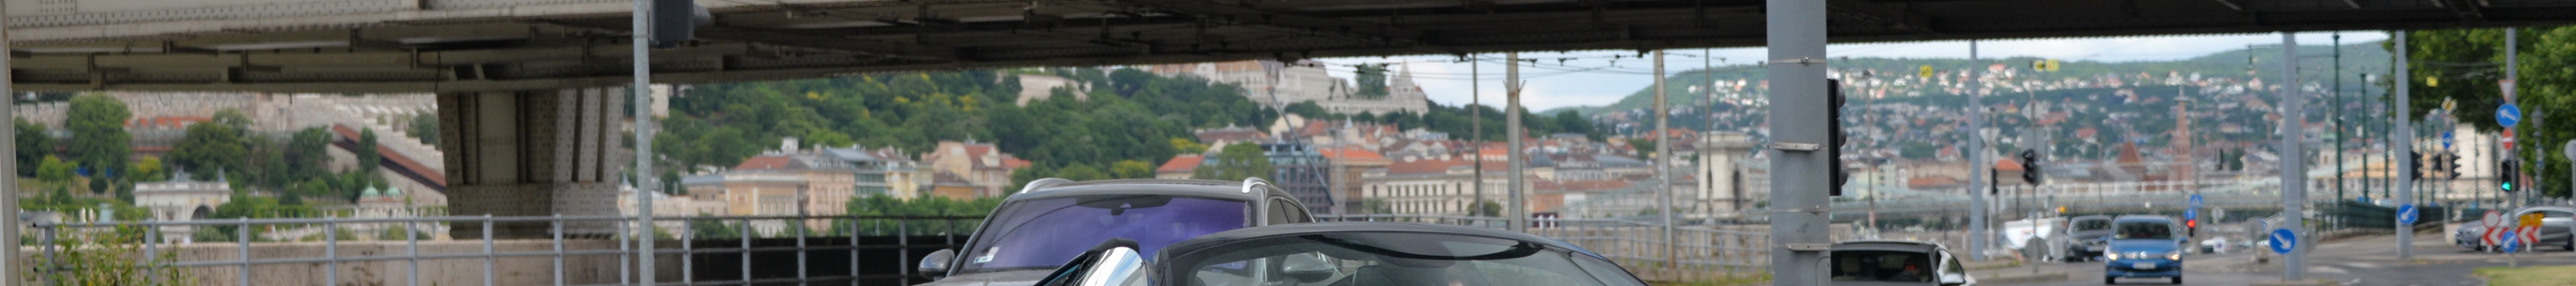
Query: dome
point(371, 192)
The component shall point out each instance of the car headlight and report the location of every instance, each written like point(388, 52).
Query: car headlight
point(2177, 255)
point(2111, 256)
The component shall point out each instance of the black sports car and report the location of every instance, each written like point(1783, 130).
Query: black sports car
point(1348, 254)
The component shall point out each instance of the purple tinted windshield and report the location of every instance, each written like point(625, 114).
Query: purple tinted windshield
point(1046, 233)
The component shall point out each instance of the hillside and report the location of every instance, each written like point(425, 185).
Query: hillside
point(2359, 58)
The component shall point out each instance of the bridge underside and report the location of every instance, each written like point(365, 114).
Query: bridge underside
point(473, 46)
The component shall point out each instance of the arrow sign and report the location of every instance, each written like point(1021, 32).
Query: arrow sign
point(2195, 198)
point(2507, 115)
point(2283, 241)
point(2511, 245)
point(2446, 140)
point(2406, 214)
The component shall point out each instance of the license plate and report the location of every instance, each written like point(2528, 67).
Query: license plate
point(2144, 265)
point(2093, 248)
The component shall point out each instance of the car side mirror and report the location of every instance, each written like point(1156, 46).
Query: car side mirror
point(1308, 268)
point(1953, 279)
point(936, 265)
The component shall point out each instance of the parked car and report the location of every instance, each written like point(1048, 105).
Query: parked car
point(1349, 254)
point(1896, 262)
point(2144, 246)
point(1053, 220)
point(2084, 236)
point(2555, 224)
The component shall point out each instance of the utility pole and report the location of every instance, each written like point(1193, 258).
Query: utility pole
point(1663, 160)
point(1980, 171)
point(2513, 74)
point(2403, 188)
point(2336, 112)
point(643, 92)
point(2294, 160)
point(1475, 127)
point(8, 184)
point(1512, 128)
point(1796, 33)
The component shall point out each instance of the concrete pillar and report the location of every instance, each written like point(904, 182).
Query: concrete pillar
point(533, 153)
point(1718, 185)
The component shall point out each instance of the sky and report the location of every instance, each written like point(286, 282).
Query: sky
point(1600, 79)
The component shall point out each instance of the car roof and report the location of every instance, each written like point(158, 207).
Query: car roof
point(1887, 245)
point(1213, 239)
point(2090, 217)
point(1231, 190)
point(2143, 218)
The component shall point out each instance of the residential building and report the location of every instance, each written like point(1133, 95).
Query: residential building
point(1180, 167)
point(1303, 172)
point(882, 172)
point(979, 166)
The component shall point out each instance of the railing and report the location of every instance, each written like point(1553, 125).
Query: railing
point(891, 244)
point(1696, 252)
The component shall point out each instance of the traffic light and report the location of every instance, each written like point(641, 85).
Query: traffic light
point(2030, 167)
point(2421, 163)
point(2191, 227)
point(1834, 146)
point(2507, 173)
point(676, 21)
point(2450, 165)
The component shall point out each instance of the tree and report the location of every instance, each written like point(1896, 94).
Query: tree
point(1235, 162)
point(1188, 146)
point(233, 118)
point(98, 185)
point(208, 148)
point(306, 154)
point(1645, 148)
point(56, 170)
point(149, 169)
point(425, 127)
point(1372, 81)
point(97, 122)
point(1081, 173)
point(1131, 169)
point(33, 146)
point(368, 159)
point(1488, 208)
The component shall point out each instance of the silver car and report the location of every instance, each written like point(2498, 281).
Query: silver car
point(2555, 225)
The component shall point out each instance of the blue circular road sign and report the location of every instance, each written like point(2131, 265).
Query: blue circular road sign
point(2406, 214)
point(2507, 115)
point(2511, 243)
point(2190, 214)
point(2283, 241)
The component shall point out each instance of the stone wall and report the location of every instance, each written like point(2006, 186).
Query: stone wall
point(529, 270)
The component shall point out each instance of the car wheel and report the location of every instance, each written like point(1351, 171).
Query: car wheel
point(2177, 280)
point(2110, 280)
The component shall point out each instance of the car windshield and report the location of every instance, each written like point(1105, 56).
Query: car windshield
point(2144, 230)
point(1044, 233)
point(1394, 259)
point(1882, 266)
point(2092, 224)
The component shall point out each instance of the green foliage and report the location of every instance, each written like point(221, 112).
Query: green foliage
point(33, 146)
point(209, 148)
point(1488, 208)
point(98, 185)
point(150, 168)
point(1188, 146)
point(2468, 63)
point(255, 207)
point(1372, 81)
point(424, 127)
point(306, 153)
point(369, 160)
point(1645, 147)
point(99, 140)
point(1131, 169)
point(109, 258)
point(1235, 162)
point(55, 170)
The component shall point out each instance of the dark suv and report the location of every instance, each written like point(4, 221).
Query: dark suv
point(1053, 220)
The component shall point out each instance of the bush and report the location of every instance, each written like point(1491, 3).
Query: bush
point(108, 258)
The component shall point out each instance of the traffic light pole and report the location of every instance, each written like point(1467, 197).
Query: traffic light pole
point(1977, 210)
point(642, 92)
point(2294, 160)
point(2404, 135)
point(1796, 33)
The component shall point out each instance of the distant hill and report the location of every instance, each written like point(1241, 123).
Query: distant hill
point(2359, 58)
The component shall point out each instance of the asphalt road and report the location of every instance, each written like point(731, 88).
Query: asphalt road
point(2369, 260)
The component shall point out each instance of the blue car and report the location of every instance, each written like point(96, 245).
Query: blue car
point(2143, 247)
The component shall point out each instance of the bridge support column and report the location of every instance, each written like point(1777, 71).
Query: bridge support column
point(533, 153)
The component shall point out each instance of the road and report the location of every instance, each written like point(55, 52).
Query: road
point(2368, 260)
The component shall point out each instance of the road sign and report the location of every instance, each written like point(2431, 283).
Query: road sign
point(2283, 241)
point(2511, 245)
point(2190, 214)
point(2508, 139)
point(2507, 85)
point(2529, 220)
point(2406, 214)
point(2446, 140)
point(2570, 149)
point(2195, 198)
point(2507, 115)
point(1927, 71)
point(2527, 235)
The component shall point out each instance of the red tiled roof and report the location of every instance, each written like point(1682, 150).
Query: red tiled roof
point(1931, 181)
point(1015, 163)
point(1182, 163)
point(763, 163)
point(1351, 153)
point(2007, 165)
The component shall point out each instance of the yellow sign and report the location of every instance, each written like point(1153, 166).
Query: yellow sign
point(2052, 65)
point(2432, 81)
point(2531, 219)
point(1927, 71)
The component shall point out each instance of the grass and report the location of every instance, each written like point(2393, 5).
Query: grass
point(2529, 276)
point(1758, 279)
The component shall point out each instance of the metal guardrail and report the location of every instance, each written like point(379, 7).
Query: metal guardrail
point(746, 230)
point(1699, 251)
